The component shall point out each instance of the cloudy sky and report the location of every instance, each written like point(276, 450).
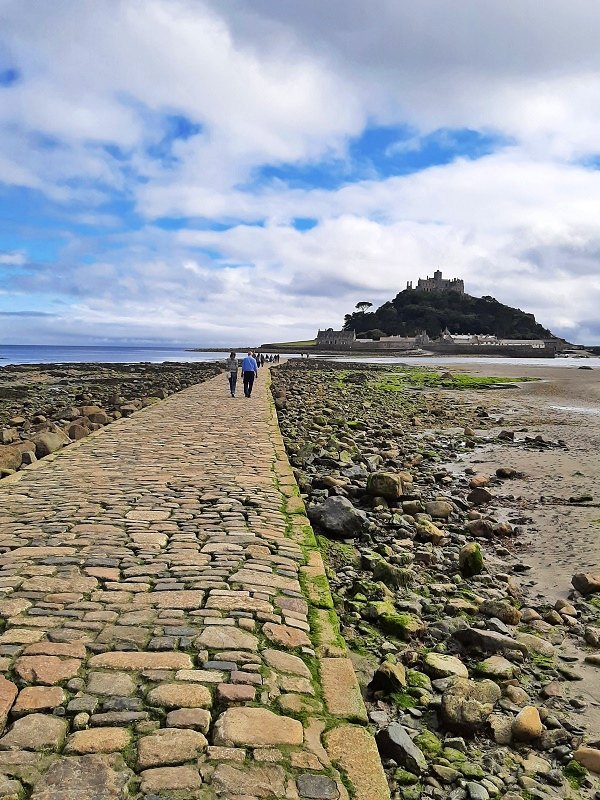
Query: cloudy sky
point(232, 171)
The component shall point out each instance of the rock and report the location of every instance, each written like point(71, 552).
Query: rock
point(506, 473)
point(111, 683)
point(496, 667)
point(354, 749)
point(338, 517)
point(517, 695)
point(389, 678)
point(341, 690)
point(466, 704)
point(481, 528)
point(535, 644)
point(170, 746)
point(141, 660)
point(479, 496)
point(35, 732)
point(89, 777)
point(8, 692)
point(317, 787)
point(478, 481)
point(439, 665)
point(285, 635)
point(194, 718)
point(527, 725)
point(48, 442)
point(490, 640)
point(501, 727)
point(38, 698)
point(170, 778)
point(591, 634)
point(11, 457)
point(470, 560)
point(429, 532)
point(75, 431)
point(586, 583)
point(394, 742)
point(385, 484)
point(98, 740)
point(46, 669)
point(251, 781)
point(285, 662)
point(439, 509)
point(501, 609)
point(180, 695)
point(256, 727)
point(477, 791)
point(588, 757)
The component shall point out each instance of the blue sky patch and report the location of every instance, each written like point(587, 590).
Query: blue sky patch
point(383, 152)
point(9, 76)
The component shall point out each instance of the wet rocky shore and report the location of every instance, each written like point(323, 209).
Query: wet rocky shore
point(470, 678)
point(45, 407)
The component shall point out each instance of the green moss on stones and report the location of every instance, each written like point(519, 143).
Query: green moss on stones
point(575, 773)
point(429, 743)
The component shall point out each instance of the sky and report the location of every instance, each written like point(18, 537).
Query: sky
point(228, 172)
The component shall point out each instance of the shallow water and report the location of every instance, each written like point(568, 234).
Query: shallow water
point(593, 361)
point(63, 354)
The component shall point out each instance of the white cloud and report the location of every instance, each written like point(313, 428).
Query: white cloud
point(270, 83)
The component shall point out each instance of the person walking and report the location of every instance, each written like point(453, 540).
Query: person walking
point(232, 368)
point(249, 373)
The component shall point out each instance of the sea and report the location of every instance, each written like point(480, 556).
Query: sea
point(102, 354)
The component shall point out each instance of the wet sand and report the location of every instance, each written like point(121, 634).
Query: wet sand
point(560, 538)
point(563, 405)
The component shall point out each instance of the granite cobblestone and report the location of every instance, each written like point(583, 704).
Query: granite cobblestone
point(156, 629)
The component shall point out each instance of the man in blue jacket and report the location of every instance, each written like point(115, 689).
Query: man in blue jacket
point(249, 372)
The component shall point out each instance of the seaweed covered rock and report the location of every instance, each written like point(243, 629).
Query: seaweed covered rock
point(470, 560)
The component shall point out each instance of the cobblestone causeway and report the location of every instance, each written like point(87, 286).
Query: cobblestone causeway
point(168, 625)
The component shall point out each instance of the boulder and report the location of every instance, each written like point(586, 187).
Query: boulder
point(501, 609)
point(470, 560)
point(527, 725)
point(389, 678)
point(49, 442)
point(479, 496)
point(467, 704)
point(586, 583)
point(429, 532)
point(394, 742)
point(439, 665)
point(385, 484)
point(588, 757)
point(497, 667)
point(338, 517)
point(482, 528)
point(439, 509)
point(76, 431)
point(11, 457)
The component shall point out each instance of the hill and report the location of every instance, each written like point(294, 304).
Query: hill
point(412, 312)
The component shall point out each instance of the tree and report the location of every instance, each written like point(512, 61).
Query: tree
point(363, 305)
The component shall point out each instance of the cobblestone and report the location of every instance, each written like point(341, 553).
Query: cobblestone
point(156, 627)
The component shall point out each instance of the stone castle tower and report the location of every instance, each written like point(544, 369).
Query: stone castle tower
point(438, 284)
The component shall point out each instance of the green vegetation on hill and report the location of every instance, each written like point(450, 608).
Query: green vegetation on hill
point(412, 312)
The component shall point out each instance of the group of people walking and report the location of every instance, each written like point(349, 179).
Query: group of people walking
point(250, 366)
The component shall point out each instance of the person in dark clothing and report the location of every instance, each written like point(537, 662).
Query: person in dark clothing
point(249, 373)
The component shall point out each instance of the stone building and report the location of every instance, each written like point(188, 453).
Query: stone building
point(331, 338)
point(438, 284)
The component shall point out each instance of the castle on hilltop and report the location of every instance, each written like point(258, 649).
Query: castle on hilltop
point(438, 284)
